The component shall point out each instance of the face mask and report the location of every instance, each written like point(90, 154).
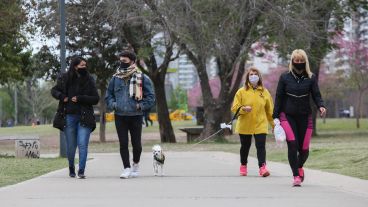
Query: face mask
point(299, 66)
point(124, 66)
point(82, 71)
point(253, 79)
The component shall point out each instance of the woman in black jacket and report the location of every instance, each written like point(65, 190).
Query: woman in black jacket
point(76, 92)
point(292, 109)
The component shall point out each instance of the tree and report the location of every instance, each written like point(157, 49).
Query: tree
point(332, 93)
point(179, 99)
point(6, 106)
point(221, 29)
point(12, 17)
point(357, 52)
point(195, 97)
point(328, 20)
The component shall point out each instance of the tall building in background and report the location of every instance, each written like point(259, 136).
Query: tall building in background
point(187, 73)
point(362, 26)
point(355, 28)
point(182, 73)
point(335, 61)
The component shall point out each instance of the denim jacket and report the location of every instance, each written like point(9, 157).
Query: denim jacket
point(118, 99)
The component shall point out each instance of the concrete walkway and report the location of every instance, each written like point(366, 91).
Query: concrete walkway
point(192, 179)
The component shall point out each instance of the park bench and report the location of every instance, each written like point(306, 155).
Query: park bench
point(26, 147)
point(192, 132)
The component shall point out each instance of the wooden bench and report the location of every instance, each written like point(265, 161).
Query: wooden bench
point(25, 147)
point(192, 133)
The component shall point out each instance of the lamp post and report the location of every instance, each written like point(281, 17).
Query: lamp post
point(15, 106)
point(1, 111)
point(63, 66)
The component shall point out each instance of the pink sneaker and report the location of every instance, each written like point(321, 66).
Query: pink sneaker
point(263, 171)
point(243, 170)
point(301, 174)
point(297, 181)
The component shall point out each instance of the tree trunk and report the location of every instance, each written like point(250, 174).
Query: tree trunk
point(358, 113)
point(336, 109)
point(30, 99)
point(318, 50)
point(215, 114)
point(166, 129)
point(217, 110)
point(102, 108)
point(314, 65)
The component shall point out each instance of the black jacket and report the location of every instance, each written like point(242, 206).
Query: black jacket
point(293, 94)
point(84, 88)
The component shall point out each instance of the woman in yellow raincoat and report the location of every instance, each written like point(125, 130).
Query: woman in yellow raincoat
point(255, 115)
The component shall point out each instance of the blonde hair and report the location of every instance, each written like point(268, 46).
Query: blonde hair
point(303, 55)
point(247, 83)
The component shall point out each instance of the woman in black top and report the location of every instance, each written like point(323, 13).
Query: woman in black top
point(77, 93)
point(292, 109)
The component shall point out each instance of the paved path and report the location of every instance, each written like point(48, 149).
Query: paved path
point(192, 179)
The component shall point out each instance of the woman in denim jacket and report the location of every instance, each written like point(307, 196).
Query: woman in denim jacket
point(129, 93)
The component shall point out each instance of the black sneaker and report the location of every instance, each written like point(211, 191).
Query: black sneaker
point(72, 172)
point(81, 174)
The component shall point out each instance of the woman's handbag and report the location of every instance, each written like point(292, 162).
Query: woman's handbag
point(59, 121)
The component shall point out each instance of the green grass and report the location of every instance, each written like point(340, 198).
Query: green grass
point(48, 130)
point(339, 125)
point(331, 125)
point(344, 155)
point(14, 170)
point(42, 130)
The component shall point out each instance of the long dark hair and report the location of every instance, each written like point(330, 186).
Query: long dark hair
point(73, 63)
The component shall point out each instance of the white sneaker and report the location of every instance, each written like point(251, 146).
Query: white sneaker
point(126, 173)
point(135, 170)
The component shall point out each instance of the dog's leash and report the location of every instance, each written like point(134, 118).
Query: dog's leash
point(224, 125)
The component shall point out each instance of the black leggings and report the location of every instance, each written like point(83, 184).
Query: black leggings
point(246, 142)
point(133, 124)
point(298, 131)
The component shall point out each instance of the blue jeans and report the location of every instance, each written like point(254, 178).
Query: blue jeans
point(76, 135)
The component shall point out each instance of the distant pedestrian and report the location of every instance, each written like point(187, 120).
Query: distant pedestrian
point(146, 117)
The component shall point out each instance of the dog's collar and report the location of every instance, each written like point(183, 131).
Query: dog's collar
point(160, 160)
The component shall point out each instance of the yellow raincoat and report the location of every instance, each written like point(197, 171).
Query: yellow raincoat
point(256, 121)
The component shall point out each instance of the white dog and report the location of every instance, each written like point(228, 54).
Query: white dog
point(158, 159)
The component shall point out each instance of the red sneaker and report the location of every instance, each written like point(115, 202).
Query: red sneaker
point(297, 181)
point(243, 170)
point(263, 171)
point(301, 174)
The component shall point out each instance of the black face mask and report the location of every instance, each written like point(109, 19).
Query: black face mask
point(82, 71)
point(299, 66)
point(124, 66)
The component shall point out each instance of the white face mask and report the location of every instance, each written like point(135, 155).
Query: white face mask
point(253, 79)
